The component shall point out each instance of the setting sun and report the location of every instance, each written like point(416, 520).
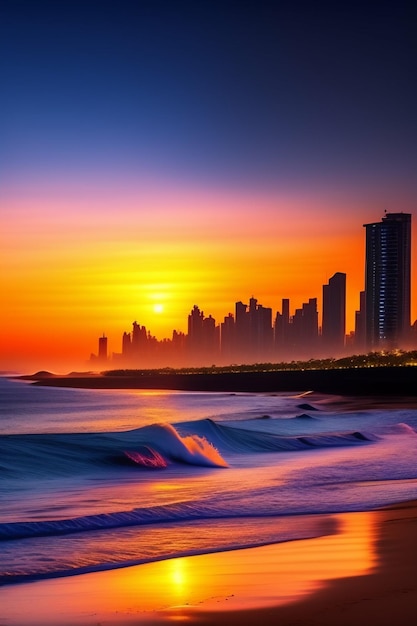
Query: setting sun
point(143, 187)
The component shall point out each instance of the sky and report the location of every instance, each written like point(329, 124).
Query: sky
point(160, 154)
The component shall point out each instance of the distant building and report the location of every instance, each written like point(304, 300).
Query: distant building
point(102, 348)
point(252, 333)
point(195, 334)
point(388, 282)
point(334, 315)
point(359, 343)
point(282, 331)
point(228, 339)
point(203, 340)
point(139, 344)
point(126, 346)
point(305, 330)
point(242, 333)
point(260, 331)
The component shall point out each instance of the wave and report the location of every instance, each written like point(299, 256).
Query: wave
point(192, 448)
point(211, 510)
point(154, 447)
point(203, 443)
point(304, 416)
point(101, 521)
point(241, 440)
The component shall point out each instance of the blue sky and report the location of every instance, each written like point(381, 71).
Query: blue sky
point(226, 93)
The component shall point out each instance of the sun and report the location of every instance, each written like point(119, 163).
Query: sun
point(158, 308)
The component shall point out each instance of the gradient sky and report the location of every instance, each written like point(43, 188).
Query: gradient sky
point(178, 153)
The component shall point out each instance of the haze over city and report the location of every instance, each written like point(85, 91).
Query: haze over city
point(254, 334)
point(157, 155)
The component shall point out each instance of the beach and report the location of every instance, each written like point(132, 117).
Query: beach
point(307, 516)
point(365, 573)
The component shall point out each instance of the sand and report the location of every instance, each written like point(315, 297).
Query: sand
point(365, 573)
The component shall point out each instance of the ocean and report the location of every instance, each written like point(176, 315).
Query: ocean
point(95, 479)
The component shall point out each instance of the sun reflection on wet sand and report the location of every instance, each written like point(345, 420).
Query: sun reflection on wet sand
point(174, 590)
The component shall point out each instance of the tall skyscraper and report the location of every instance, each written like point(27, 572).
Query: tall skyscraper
point(195, 333)
point(334, 314)
point(387, 281)
point(102, 348)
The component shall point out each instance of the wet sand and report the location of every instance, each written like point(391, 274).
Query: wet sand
point(365, 573)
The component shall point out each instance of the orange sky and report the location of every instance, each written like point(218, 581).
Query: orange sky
point(77, 265)
point(168, 155)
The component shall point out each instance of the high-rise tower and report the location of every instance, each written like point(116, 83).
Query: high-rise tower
point(387, 281)
point(102, 348)
point(334, 314)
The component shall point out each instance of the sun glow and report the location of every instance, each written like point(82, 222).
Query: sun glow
point(179, 579)
point(90, 269)
point(177, 588)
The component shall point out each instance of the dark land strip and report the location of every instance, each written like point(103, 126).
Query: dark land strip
point(380, 381)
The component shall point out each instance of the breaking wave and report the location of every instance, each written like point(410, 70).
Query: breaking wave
point(202, 443)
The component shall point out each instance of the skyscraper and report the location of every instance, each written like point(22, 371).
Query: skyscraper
point(102, 348)
point(334, 314)
point(305, 330)
point(360, 324)
point(387, 281)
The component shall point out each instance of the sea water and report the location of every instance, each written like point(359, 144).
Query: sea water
point(98, 479)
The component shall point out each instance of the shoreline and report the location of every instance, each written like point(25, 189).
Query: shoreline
point(364, 573)
point(393, 382)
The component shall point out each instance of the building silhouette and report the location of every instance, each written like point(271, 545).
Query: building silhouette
point(333, 329)
point(260, 331)
point(388, 282)
point(248, 336)
point(305, 330)
point(282, 330)
point(203, 339)
point(296, 336)
point(242, 333)
point(126, 346)
point(102, 348)
point(359, 341)
point(228, 339)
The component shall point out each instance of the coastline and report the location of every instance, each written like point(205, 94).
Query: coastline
point(392, 382)
point(365, 573)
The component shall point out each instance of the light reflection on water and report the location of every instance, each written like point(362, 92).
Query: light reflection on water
point(27, 408)
point(276, 468)
point(174, 589)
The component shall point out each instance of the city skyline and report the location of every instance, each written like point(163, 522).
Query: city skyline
point(325, 343)
point(252, 334)
point(249, 335)
point(160, 154)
